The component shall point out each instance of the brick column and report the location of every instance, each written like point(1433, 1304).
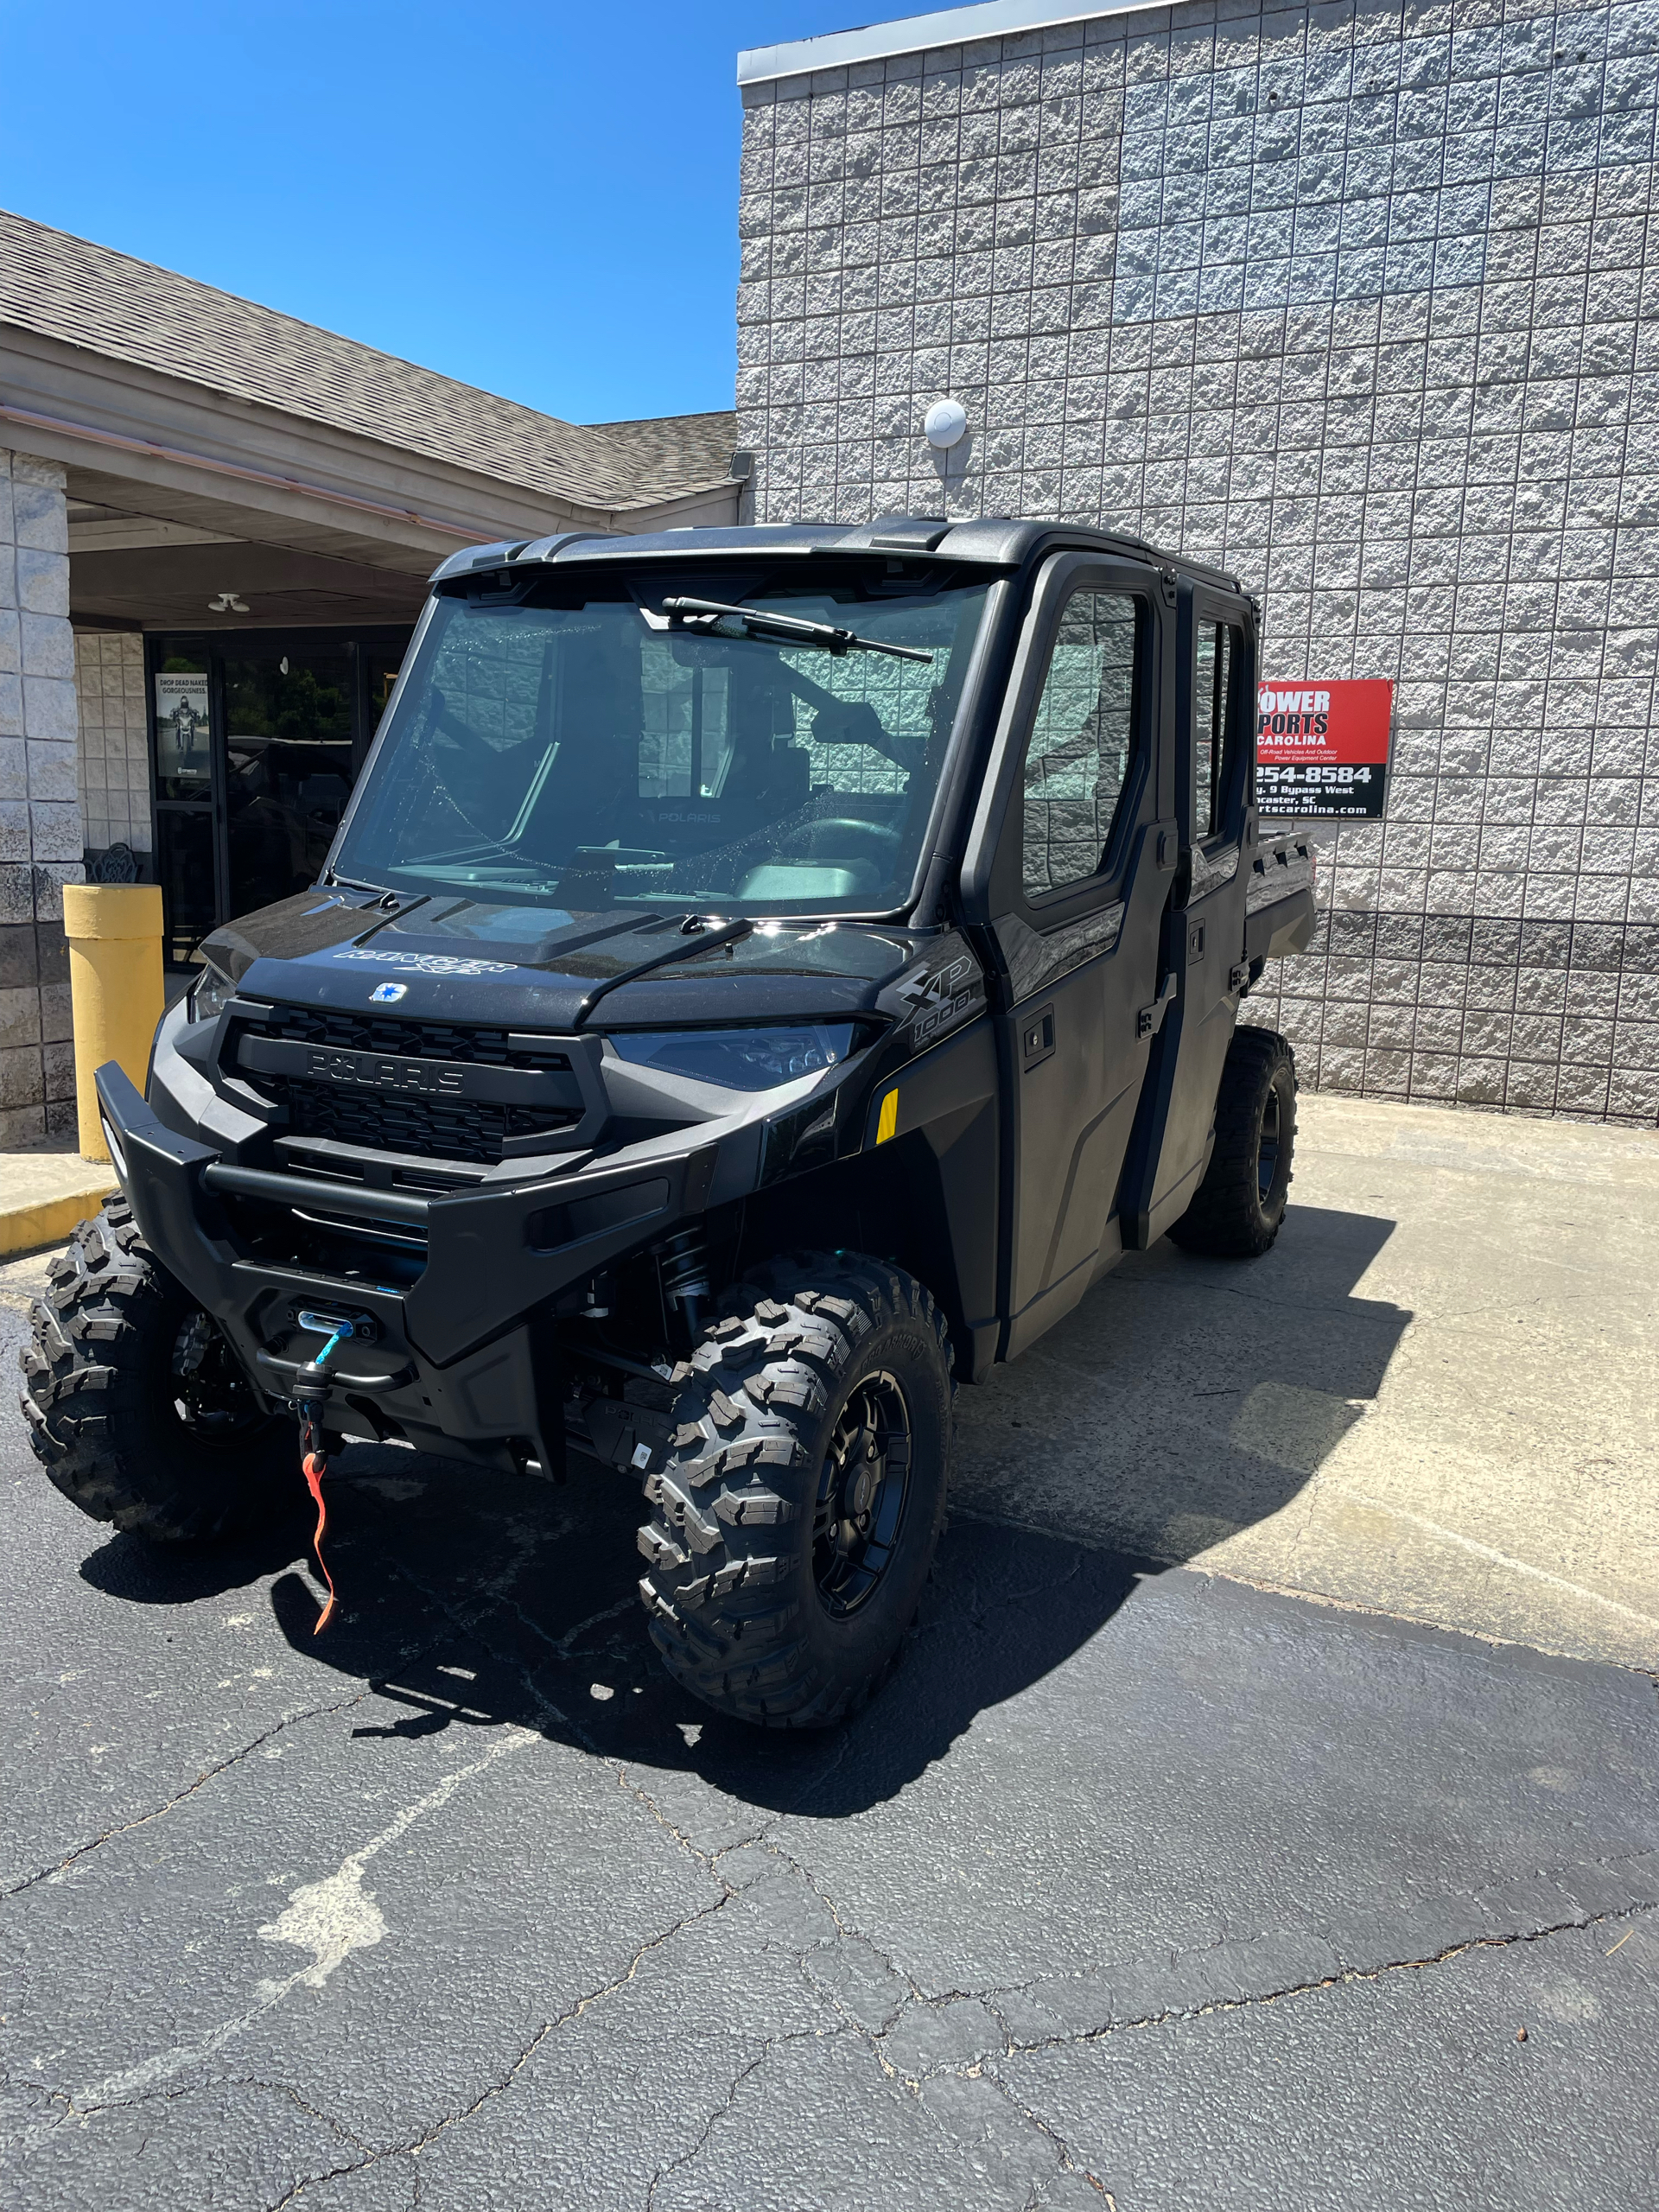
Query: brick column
point(40, 817)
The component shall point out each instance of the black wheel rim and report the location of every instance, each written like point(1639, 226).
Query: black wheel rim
point(1267, 1149)
point(209, 1392)
point(862, 1489)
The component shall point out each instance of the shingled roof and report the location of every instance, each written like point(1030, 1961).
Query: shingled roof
point(66, 288)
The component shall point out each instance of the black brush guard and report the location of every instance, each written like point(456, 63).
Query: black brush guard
point(463, 1362)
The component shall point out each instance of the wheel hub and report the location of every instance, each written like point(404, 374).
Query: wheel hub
point(862, 1493)
point(1267, 1149)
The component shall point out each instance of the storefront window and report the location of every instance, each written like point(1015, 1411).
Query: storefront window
point(258, 737)
point(383, 674)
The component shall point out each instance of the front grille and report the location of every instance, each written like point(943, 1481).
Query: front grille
point(422, 1040)
point(445, 1128)
point(400, 1121)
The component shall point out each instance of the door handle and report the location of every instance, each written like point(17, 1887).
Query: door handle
point(1036, 1036)
point(1150, 1019)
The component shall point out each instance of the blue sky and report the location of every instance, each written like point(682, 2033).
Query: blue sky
point(539, 198)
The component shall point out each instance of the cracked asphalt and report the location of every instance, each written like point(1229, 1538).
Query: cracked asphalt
point(1138, 1887)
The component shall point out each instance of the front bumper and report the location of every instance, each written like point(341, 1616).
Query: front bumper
point(462, 1361)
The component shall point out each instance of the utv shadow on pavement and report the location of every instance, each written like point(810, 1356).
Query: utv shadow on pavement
point(1186, 1399)
point(180, 1574)
point(1183, 1397)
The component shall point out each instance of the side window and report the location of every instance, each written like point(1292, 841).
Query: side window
point(1215, 717)
point(1082, 741)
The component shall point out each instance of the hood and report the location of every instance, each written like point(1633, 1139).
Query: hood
point(530, 967)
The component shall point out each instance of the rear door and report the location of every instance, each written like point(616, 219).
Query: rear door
point(1203, 949)
point(1070, 862)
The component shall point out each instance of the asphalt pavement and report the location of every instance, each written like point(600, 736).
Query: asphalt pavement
point(1139, 1886)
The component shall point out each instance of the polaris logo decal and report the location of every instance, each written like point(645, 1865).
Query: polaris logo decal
point(428, 963)
point(388, 994)
point(377, 1072)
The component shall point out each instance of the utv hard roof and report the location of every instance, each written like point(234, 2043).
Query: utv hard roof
point(997, 543)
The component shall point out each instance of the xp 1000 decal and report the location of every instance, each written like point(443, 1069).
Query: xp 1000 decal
point(1322, 747)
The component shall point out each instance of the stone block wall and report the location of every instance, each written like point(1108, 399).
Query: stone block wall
point(1361, 300)
point(39, 819)
point(114, 757)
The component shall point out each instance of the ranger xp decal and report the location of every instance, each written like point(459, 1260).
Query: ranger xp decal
point(937, 1001)
point(428, 963)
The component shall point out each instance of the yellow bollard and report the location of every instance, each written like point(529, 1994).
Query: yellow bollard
point(116, 988)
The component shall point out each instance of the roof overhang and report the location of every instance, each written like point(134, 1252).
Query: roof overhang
point(137, 440)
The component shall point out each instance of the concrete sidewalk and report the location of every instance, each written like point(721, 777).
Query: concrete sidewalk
point(1434, 1398)
point(45, 1188)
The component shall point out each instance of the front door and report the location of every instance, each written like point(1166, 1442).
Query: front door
point(1072, 864)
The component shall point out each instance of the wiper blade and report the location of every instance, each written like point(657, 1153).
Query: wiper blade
point(696, 936)
point(707, 614)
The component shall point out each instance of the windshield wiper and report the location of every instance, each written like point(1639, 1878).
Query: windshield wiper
point(696, 936)
point(827, 634)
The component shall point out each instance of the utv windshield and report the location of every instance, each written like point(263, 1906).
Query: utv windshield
point(591, 744)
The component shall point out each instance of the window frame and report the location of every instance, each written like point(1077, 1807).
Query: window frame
point(1235, 792)
point(1127, 806)
point(992, 872)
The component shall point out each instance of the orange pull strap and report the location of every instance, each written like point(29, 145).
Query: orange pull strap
point(316, 1466)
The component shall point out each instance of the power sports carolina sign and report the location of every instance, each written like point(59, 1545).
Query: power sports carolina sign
point(1322, 749)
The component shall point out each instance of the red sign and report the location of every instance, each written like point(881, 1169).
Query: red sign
point(1322, 748)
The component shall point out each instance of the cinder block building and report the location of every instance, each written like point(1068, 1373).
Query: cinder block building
point(1361, 300)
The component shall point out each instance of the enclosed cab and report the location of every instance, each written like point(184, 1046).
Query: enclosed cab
point(763, 978)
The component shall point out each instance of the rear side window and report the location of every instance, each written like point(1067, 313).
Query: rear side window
point(1082, 742)
point(1215, 721)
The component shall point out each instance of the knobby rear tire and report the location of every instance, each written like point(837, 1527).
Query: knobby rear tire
point(1238, 1208)
point(103, 1390)
point(753, 1596)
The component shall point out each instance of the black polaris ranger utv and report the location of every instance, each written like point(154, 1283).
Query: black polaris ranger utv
point(764, 977)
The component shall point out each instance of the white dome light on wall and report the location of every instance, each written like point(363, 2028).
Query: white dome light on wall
point(945, 423)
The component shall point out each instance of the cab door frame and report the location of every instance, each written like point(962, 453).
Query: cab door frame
point(1073, 978)
point(1203, 951)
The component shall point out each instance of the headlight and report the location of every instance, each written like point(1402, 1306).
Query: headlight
point(209, 994)
point(739, 1060)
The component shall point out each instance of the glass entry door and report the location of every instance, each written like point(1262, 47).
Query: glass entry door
point(186, 844)
point(257, 738)
point(289, 740)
